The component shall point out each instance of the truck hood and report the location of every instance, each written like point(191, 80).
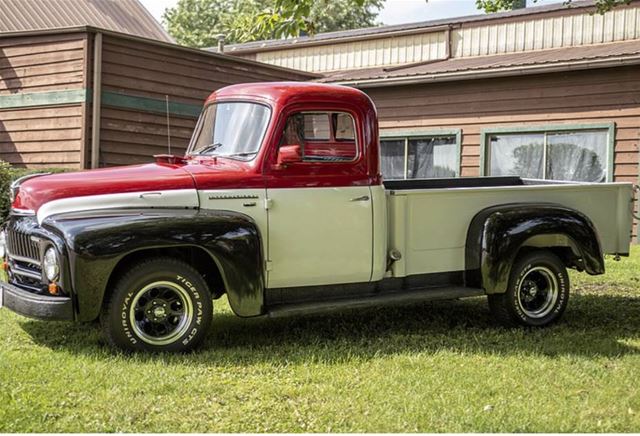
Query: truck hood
point(157, 185)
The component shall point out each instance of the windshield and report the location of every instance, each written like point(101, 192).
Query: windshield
point(233, 129)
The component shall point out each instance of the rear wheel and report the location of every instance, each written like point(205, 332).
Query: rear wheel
point(158, 305)
point(537, 294)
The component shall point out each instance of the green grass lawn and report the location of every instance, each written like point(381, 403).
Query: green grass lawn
point(433, 367)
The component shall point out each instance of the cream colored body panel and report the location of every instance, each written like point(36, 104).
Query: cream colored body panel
point(429, 226)
point(170, 198)
point(320, 236)
point(380, 232)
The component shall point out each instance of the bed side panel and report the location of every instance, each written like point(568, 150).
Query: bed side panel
point(429, 227)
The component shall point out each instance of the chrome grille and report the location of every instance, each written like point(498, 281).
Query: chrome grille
point(21, 247)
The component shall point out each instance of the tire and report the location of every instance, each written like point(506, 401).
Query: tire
point(537, 294)
point(159, 305)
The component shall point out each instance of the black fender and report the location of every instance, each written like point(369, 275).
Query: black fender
point(497, 233)
point(96, 241)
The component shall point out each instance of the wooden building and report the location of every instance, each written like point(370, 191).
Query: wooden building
point(84, 97)
point(546, 92)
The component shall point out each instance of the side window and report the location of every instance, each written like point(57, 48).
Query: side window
point(420, 157)
point(344, 128)
point(322, 136)
point(572, 155)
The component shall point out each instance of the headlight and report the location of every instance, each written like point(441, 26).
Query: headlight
point(3, 244)
point(50, 265)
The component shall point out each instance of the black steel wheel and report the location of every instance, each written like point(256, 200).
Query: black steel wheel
point(537, 294)
point(159, 305)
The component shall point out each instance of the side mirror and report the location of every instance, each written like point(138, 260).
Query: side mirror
point(288, 154)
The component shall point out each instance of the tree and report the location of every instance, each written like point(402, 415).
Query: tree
point(197, 23)
point(490, 6)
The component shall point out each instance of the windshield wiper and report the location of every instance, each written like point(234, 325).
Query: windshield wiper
point(241, 154)
point(207, 148)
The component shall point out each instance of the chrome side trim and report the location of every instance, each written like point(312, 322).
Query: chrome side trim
point(22, 212)
point(233, 197)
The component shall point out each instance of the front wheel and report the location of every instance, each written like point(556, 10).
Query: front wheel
point(537, 294)
point(159, 305)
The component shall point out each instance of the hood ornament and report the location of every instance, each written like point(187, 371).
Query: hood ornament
point(15, 185)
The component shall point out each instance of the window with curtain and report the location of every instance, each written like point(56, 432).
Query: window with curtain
point(579, 155)
point(419, 157)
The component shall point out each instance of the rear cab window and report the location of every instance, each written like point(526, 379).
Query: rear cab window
point(322, 136)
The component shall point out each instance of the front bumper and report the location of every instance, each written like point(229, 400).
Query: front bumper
point(34, 305)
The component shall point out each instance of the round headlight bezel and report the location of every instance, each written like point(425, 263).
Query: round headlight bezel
point(51, 264)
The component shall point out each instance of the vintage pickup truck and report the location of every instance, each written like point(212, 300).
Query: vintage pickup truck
point(279, 204)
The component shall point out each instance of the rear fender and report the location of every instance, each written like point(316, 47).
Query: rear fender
point(498, 233)
point(98, 240)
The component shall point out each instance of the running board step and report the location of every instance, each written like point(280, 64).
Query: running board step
point(405, 297)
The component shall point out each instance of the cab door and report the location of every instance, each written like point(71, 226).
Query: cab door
point(319, 205)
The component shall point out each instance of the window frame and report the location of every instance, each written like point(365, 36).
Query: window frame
point(327, 112)
point(546, 129)
point(407, 134)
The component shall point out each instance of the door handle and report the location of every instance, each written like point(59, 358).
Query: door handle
point(363, 198)
point(151, 194)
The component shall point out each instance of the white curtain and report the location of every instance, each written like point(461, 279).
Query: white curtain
point(517, 155)
point(392, 159)
point(572, 156)
point(578, 156)
point(426, 158)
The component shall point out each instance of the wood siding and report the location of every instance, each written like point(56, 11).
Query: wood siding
point(569, 27)
point(47, 69)
point(584, 97)
point(151, 71)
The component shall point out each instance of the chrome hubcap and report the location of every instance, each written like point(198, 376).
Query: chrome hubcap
point(538, 292)
point(161, 313)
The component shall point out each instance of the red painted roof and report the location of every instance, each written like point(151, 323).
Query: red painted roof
point(284, 93)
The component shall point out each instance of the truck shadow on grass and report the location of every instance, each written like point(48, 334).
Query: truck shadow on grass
point(593, 326)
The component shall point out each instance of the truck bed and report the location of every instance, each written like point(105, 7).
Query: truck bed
point(428, 219)
point(472, 182)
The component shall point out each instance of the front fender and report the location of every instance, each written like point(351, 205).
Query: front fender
point(497, 233)
point(97, 241)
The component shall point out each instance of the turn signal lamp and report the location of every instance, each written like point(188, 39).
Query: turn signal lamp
point(53, 289)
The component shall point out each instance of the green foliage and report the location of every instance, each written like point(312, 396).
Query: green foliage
point(437, 367)
point(491, 6)
point(7, 175)
point(197, 23)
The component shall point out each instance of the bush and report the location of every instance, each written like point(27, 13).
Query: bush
point(7, 175)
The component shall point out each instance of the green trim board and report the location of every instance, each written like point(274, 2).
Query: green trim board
point(114, 99)
point(146, 104)
point(548, 128)
point(47, 98)
point(428, 133)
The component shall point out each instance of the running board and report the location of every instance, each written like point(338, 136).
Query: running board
point(405, 297)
